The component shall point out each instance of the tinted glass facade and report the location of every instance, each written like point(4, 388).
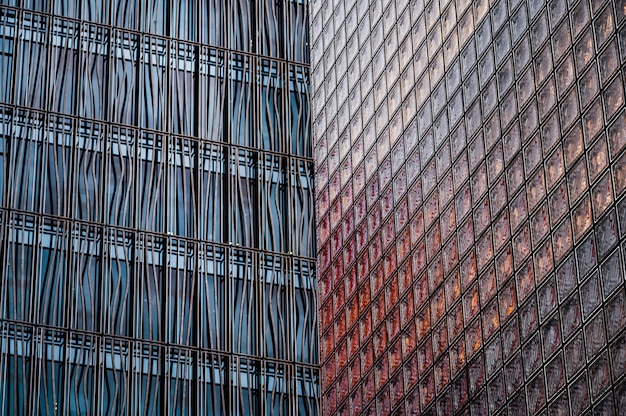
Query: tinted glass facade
point(471, 193)
point(157, 244)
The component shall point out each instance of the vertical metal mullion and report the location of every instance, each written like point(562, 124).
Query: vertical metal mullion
point(34, 370)
point(292, 387)
point(138, 77)
point(138, 134)
point(107, 35)
point(258, 288)
point(288, 162)
point(168, 18)
point(259, 299)
point(65, 365)
point(165, 347)
point(253, 27)
point(67, 238)
point(45, 108)
point(98, 372)
point(49, 48)
point(100, 331)
point(135, 239)
point(76, 47)
point(285, 206)
point(103, 130)
point(12, 98)
point(257, 156)
point(170, 58)
point(37, 220)
point(290, 336)
point(66, 196)
point(260, 203)
point(69, 213)
point(4, 213)
point(132, 272)
point(4, 230)
point(228, 308)
point(226, 207)
point(283, 77)
point(260, 378)
point(197, 174)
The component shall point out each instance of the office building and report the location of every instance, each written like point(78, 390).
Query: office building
point(157, 244)
point(471, 194)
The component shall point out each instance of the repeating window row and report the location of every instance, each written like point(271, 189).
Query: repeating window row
point(106, 280)
point(277, 29)
point(156, 182)
point(59, 371)
point(150, 82)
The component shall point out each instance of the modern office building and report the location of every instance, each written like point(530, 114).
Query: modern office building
point(471, 194)
point(157, 244)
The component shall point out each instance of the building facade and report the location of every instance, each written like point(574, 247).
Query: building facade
point(157, 242)
point(471, 193)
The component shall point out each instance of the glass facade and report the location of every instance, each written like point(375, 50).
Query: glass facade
point(157, 240)
point(471, 205)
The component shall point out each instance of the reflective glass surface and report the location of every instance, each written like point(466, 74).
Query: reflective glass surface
point(470, 163)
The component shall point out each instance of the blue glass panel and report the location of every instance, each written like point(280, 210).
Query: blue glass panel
point(7, 47)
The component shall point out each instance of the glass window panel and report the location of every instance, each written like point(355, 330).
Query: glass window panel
point(81, 377)
point(243, 196)
point(148, 291)
point(302, 234)
point(212, 302)
point(153, 94)
point(95, 11)
point(147, 382)
point(57, 164)
point(24, 161)
point(184, 88)
point(88, 172)
point(123, 84)
point(7, 49)
point(115, 379)
point(94, 71)
point(86, 277)
point(182, 196)
point(276, 322)
point(150, 178)
point(181, 288)
point(212, 16)
point(298, 35)
point(240, 24)
point(32, 61)
point(119, 176)
point(50, 285)
point(271, 127)
point(125, 13)
point(117, 274)
point(183, 19)
point(153, 19)
point(244, 304)
point(241, 100)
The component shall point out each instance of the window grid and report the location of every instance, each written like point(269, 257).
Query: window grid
point(157, 234)
point(456, 205)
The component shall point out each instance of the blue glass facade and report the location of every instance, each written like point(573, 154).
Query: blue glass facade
point(157, 241)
